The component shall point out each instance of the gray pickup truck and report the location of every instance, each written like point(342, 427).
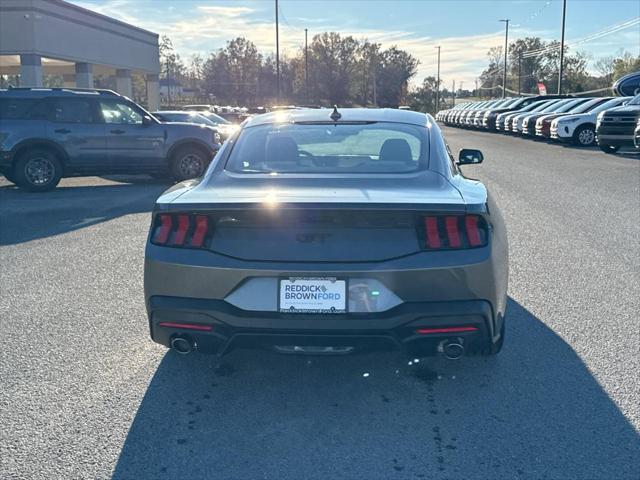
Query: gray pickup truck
point(50, 133)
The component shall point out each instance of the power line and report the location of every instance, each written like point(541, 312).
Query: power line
point(594, 36)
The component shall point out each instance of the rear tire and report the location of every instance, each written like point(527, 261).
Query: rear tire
point(188, 162)
point(584, 136)
point(37, 170)
point(610, 149)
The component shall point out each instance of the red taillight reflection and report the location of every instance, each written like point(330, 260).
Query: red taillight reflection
point(187, 326)
point(455, 232)
point(202, 225)
point(163, 231)
point(473, 234)
point(451, 224)
point(433, 234)
point(426, 331)
point(180, 230)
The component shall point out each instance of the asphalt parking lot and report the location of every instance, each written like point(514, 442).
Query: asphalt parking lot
point(85, 393)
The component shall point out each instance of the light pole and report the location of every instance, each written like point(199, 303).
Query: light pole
point(564, 14)
point(438, 83)
point(506, 48)
point(277, 57)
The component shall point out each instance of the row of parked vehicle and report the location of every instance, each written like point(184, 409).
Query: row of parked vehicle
point(608, 122)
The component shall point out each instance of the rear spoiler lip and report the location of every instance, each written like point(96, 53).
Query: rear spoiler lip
point(435, 208)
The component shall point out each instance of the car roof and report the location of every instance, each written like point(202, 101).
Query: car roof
point(181, 112)
point(347, 115)
point(42, 92)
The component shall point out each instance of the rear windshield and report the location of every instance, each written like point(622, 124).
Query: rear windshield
point(188, 118)
point(330, 148)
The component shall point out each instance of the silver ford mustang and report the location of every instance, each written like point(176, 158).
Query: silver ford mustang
point(330, 232)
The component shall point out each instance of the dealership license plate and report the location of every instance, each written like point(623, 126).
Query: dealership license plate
point(313, 295)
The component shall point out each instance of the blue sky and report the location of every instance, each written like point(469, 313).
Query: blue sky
point(465, 29)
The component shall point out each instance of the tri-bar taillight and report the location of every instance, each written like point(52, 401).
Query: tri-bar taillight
point(447, 232)
point(181, 230)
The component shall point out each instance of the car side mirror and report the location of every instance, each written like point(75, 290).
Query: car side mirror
point(469, 156)
point(146, 120)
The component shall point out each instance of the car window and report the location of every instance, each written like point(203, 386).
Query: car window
point(329, 148)
point(197, 118)
point(609, 104)
point(73, 110)
point(587, 106)
point(15, 108)
point(635, 100)
point(569, 106)
point(554, 105)
point(215, 118)
point(120, 113)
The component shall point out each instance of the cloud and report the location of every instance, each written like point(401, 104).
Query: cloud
point(205, 28)
point(225, 12)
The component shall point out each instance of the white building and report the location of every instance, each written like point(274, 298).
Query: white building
point(56, 37)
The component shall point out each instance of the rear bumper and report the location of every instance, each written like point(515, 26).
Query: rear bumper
point(396, 329)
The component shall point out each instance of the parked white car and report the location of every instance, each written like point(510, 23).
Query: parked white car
point(580, 128)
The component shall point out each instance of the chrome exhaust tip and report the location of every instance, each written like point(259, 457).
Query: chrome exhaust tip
point(181, 345)
point(452, 349)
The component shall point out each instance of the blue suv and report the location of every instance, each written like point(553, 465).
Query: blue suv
point(50, 133)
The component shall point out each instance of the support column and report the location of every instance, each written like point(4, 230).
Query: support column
point(69, 80)
point(153, 92)
point(30, 70)
point(84, 75)
point(123, 82)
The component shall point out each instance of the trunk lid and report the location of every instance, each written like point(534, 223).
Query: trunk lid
point(320, 218)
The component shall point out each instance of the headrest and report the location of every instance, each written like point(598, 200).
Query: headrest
point(396, 150)
point(281, 149)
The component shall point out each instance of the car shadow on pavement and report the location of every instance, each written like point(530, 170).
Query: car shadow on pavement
point(534, 411)
point(26, 216)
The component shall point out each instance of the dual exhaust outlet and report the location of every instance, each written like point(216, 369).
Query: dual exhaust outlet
point(451, 349)
point(182, 345)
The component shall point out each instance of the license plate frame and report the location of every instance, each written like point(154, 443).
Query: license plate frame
point(322, 306)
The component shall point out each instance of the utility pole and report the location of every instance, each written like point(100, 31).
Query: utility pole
point(564, 14)
point(506, 48)
point(477, 91)
point(277, 57)
point(519, 74)
point(438, 83)
point(306, 66)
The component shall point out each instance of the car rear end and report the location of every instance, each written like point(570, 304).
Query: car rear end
point(325, 264)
